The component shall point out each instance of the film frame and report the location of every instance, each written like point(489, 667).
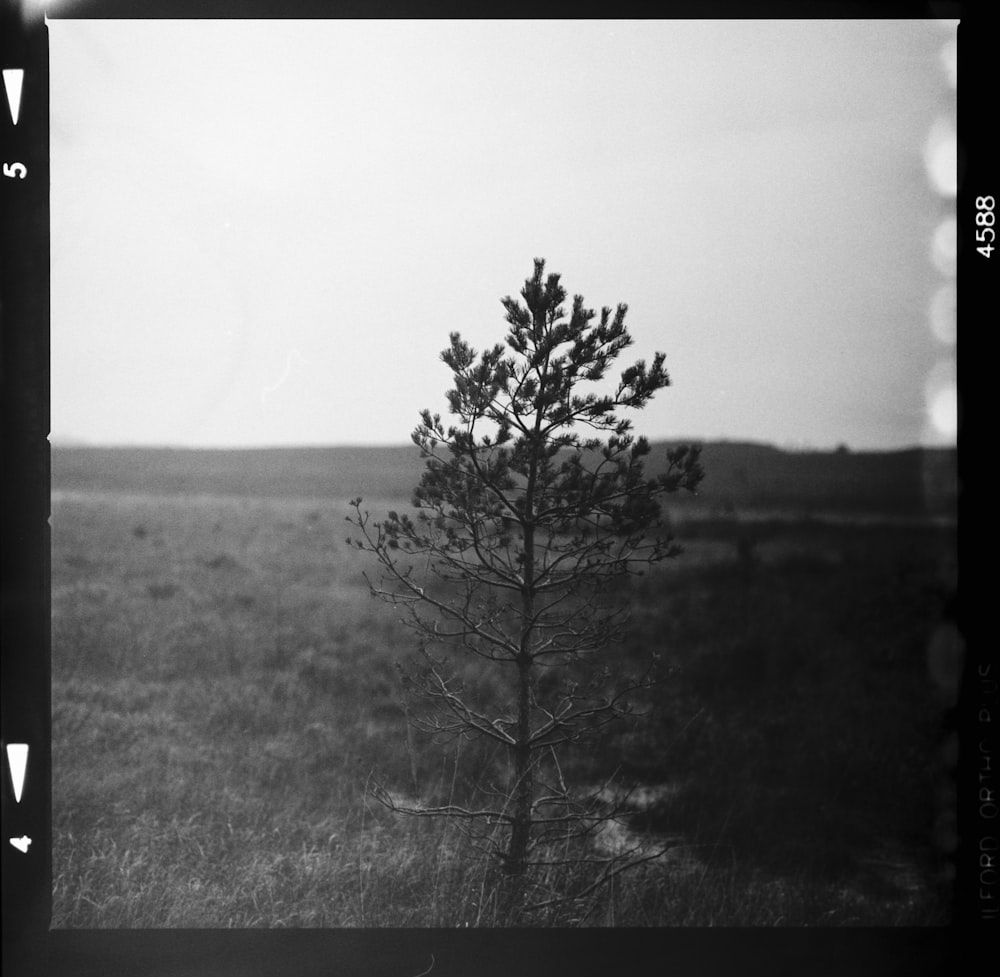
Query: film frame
point(30, 947)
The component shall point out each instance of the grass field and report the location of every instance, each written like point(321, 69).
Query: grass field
point(223, 688)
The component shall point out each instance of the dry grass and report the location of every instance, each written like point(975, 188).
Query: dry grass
point(223, 687)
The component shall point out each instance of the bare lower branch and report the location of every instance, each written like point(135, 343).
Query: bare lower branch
point(446, 810)
point(603, 880)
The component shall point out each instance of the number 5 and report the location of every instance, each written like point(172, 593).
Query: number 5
point(18, 170)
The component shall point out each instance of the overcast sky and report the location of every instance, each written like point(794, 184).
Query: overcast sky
point(263, 232)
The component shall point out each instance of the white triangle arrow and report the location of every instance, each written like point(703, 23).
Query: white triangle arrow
point(21, 844)
point(13, 78)
point(17, 759)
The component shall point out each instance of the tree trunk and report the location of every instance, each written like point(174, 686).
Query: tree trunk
point(522, 789)
point(523, 781)
point(512, 884)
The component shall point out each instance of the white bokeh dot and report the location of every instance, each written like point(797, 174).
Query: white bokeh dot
point(941, 397)
point(944, 246)
point(941, 157)
point(944, 303)
point(949, 61)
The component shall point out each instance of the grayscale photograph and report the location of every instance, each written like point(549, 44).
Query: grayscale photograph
point(503, 473)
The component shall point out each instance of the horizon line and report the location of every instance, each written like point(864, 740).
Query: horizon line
point(839, 447)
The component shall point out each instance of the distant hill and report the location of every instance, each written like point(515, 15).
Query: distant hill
point(910, 482)
point(740, 477)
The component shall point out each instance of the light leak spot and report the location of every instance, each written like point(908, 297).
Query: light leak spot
point(941, 392)
point(944, 246)
point(944, 412)
point(941, 157)
point(949, 61)
point(943, 313)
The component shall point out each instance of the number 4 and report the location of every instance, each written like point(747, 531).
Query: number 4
point(981, 236)
point(18, 170)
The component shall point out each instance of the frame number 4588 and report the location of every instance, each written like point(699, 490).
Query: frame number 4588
point(984, 225)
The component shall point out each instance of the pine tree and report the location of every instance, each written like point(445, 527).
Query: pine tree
point(533, 504)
